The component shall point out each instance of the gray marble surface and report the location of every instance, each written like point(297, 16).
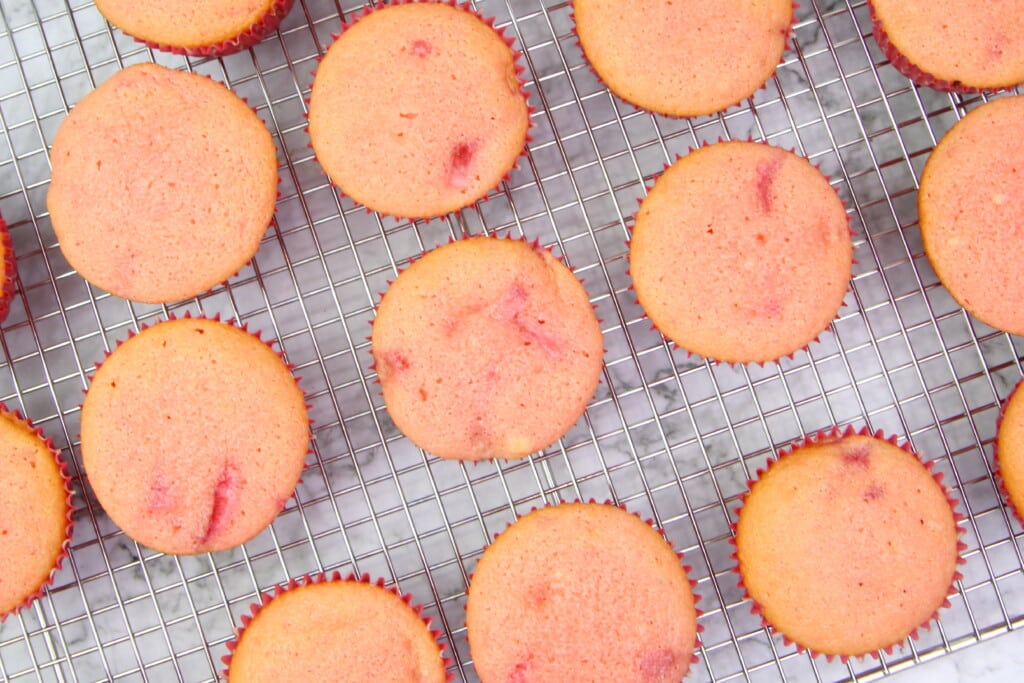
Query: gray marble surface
point(671, 436)
point(999, 660)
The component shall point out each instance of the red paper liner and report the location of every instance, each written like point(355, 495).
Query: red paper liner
point(268, 23)
point(322, 577)
point(536, 246)
point(590, 66)
point(517, 55)
point(997, 469)
point(10, 271)
point(911, 70)
point(631, 225)
point(687, 569)
point(187, 315)
point(824, 436)
point(62, 468)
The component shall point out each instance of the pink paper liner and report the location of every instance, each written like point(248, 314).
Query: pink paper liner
point(268, 23)
point(187, 315)
point(697, 644)
point(823, 436)
point(322, 577)
point(10, 271)
point(520, 70)
point(535, 245)
point(590, 66)
point(631, 225)
point(997, 469)
point(62, 468)
point(912, 71)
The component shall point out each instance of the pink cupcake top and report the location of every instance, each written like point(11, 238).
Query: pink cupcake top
point(741, 252)
point(417, 109)
point(486, 348)
point(972, 191)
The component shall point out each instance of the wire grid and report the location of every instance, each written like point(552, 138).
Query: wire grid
point(671, 437)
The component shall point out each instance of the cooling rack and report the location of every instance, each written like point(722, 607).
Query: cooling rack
point(671, 437)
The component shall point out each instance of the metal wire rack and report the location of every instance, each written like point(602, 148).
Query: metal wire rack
point(669, 436)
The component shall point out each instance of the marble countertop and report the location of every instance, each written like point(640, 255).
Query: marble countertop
point(999, 660)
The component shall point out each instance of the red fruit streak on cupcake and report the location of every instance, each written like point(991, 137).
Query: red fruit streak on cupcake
point(225, 499)
point(657, 665)
point(461, 162)
point(766, 172)
point(512, 309)
point(324, 577)
point(421, 48)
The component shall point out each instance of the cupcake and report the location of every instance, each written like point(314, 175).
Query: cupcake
point(194, 434)
point(35, 512)
point(210, 28)
point(1009, 451)
point(685, 58)
point(163, 184)
point(9, 272)
point(581, 592)
point(486, 348)
point(953, 45)
point(741, 252)
point(417, 109)
point(329, 629)
point(972, 189)
point(847, 544)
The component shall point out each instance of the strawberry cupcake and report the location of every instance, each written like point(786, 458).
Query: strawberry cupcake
point(581, 592)
point(194, 434)
point(953, 45)
point(163, 184)
point(417, 109)
point(969, 204)
point(328, 629)
point(212, 28)
point(486, 348)
point(684, 58)
point(848, 544)
point(1009, 451)
point(35, 512)
point(741, 252)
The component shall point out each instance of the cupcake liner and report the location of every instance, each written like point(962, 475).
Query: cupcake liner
point(997, 469)
point(520, 69)
point(267, 24)
point(536, 245)
point(187, 315)
point(311, 579)
point(912, 71)
point(789, 45)
point(697, 644)
point(62, 468)
point(10, 271)
point(824, 436)
point(631, 225)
